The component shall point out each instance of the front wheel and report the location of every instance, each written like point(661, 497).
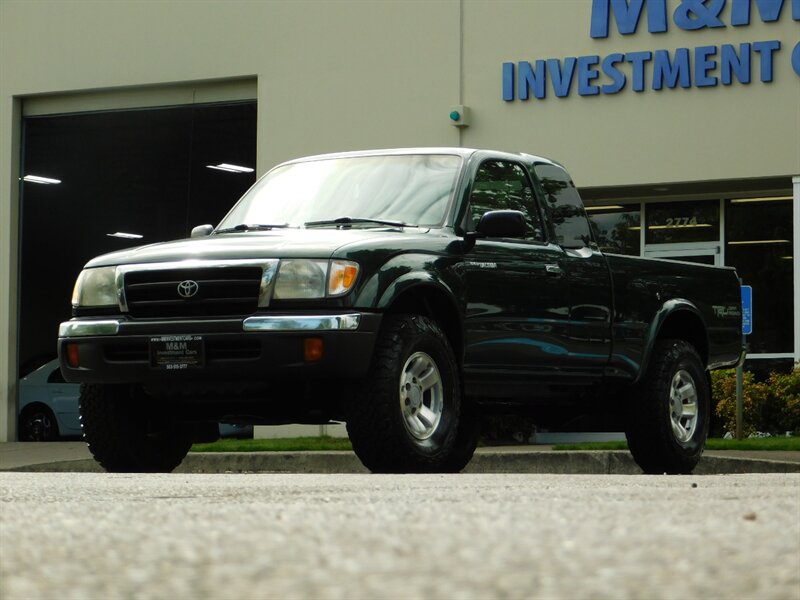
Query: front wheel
point(126, 434)
point(407, 416)
point(669, 411)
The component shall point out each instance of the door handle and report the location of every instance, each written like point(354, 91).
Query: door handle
point(554, 270)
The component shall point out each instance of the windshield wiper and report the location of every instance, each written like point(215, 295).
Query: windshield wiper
point(352, 220)
point(252, 227)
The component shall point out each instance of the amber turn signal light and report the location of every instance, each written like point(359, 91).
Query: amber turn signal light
point(312, 349)
point(342, 276)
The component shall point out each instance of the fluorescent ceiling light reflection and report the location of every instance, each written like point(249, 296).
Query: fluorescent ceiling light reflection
point(230, 168)
point(765, 199)
point(125, 236)
point(673, 226)
point(40, 179)
point(751, 242)
point(787, 257)
point(606, 207)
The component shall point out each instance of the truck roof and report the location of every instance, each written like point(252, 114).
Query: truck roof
point(458, 151)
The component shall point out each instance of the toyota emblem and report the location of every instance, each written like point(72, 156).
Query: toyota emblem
point(188, 288)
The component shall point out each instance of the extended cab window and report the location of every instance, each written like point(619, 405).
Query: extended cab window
point(564, 206)
point(503, 185)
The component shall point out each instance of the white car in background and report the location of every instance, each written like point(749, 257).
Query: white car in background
point(48, 408)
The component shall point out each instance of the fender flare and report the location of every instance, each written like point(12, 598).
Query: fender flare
point(436, 298)
point(411, 280)
point(670, 308)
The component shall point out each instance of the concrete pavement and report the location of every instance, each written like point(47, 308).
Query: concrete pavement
point(416, 537)
point(75, 457)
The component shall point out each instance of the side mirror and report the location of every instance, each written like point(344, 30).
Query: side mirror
point(202, 231)
point(502, 223)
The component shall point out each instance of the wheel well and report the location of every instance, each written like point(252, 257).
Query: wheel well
point(36, 406)
point(687, 326)
point(434, 304)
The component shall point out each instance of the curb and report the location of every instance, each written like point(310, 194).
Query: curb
point(566, 463)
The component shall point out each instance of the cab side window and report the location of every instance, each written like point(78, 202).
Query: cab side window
point(564, 207)
point(503, 185)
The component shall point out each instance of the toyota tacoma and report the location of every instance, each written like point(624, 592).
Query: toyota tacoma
point(409, 293)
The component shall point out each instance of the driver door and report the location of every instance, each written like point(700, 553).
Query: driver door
point(517, 305)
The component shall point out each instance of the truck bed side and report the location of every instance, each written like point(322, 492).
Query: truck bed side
point(670, 299)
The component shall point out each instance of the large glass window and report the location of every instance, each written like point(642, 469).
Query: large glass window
point(682, 222)
point(759, 244)
point(99, 182)
point(616, 228)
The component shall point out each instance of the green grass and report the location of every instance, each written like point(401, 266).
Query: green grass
point(299, 444)
point(305, 444)
point(773, 443)
point(593, 446)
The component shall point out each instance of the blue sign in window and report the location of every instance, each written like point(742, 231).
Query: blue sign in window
point(747, 309)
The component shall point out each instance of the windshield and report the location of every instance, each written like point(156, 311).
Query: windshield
point(413, 189)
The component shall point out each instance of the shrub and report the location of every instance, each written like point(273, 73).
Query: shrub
point(723, 389)
point(772, 406)
point(785, 388)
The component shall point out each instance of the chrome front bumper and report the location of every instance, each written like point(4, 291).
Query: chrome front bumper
point(118, 349)
point(285, 323)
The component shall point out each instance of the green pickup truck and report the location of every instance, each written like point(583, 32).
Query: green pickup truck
point(409, 293)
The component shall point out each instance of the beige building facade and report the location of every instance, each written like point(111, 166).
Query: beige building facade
point(660, 103)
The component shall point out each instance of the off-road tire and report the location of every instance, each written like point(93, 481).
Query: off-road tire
point(652, 440)
point(125, 434)
point(375, 422)
point(469, 430)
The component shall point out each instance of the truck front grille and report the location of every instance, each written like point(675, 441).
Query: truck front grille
point(219, 292)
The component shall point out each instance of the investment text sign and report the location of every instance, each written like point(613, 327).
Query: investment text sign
point(702, 66)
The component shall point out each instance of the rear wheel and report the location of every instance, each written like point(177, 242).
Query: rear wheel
point(37, 423)
point(408, 414)
point(125, 434)
point(669, 411)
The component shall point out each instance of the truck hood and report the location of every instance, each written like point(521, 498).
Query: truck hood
point(278, 243)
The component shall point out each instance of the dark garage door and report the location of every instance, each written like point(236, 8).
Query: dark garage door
point(124, 178)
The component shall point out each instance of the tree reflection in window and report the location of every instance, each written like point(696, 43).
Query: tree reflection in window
point(504, 186)
point(564, 206)
point(617, 230)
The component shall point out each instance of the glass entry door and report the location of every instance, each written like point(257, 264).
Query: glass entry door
point(689, 253)
point(688, 231)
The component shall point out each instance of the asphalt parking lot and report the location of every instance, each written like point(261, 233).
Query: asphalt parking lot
point(92, 535)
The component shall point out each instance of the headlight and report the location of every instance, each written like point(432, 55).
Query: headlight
point(96, 287)
point(300, 278)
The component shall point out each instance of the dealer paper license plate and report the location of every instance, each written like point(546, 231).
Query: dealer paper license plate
point(177, 352)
